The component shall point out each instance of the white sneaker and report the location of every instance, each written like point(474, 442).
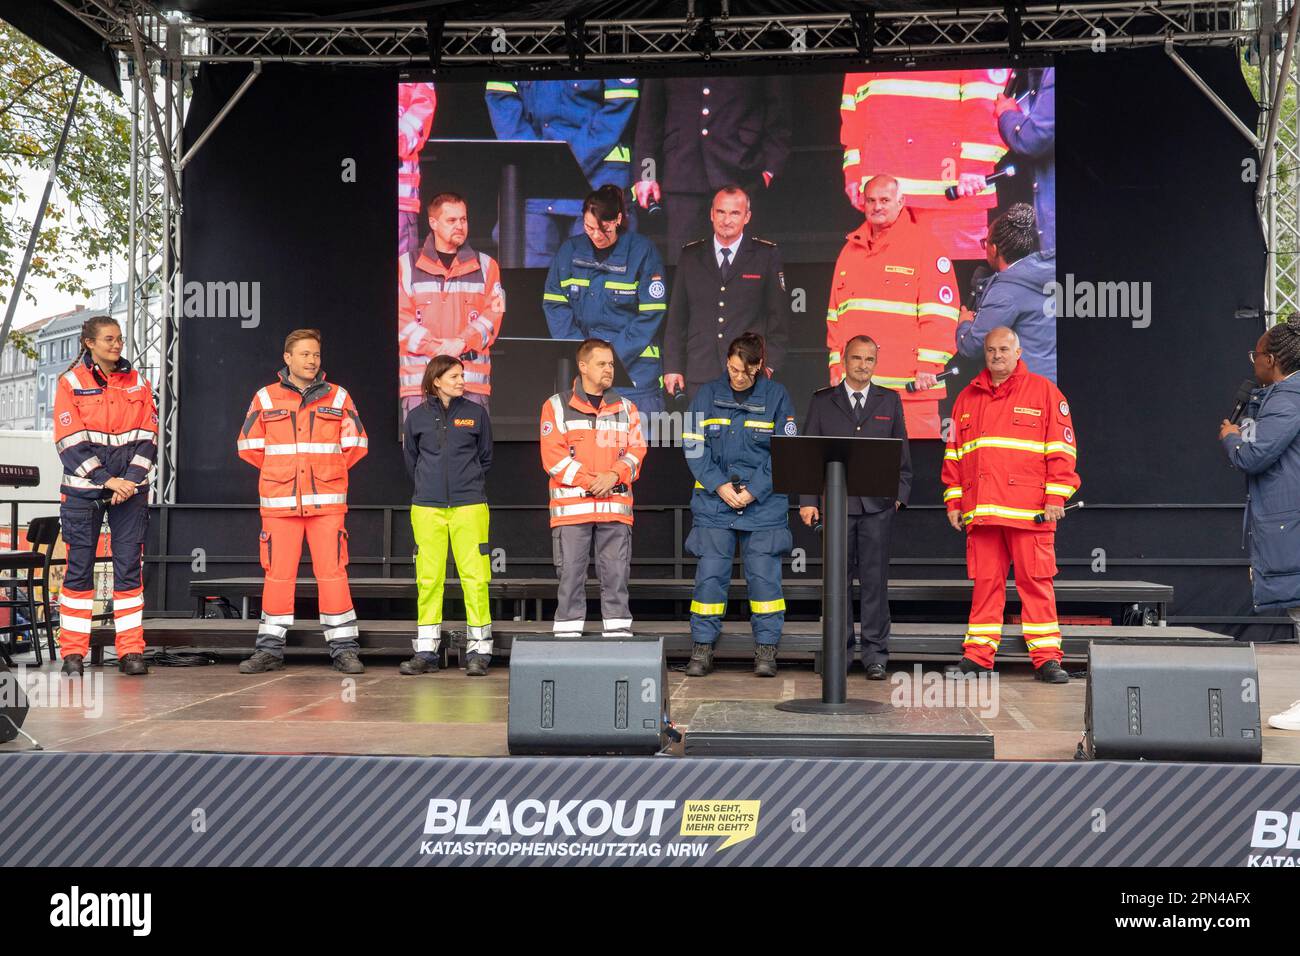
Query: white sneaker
point(1289, 719)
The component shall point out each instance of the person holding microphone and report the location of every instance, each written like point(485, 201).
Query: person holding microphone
point(1008, 469)
point(106, 432)
point(729, 450)
point(447, 446)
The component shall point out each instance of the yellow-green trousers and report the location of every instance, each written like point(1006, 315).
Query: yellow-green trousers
point(466, 529)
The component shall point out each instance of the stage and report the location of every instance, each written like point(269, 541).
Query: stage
point(309, 708)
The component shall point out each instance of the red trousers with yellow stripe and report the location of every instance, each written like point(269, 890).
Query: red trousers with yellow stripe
point(990, 551)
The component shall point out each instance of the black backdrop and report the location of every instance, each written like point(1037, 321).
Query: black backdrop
point(1150, 189)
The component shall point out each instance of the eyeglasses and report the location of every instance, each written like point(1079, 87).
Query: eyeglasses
point(111, 340)
point(984, 243)
point(1253, 355)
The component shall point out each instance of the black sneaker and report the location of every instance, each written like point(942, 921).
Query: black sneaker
point(765, 660)
point(701, 660)
point(133, 665)
point(964, 667)
point(261, 662)
point(72, 665)
point(1052, 673)
point(348, 662)
point(478, 665)
point(419, 664)
point(876, 672)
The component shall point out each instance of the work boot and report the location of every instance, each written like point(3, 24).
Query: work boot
point(348, 662)
point(965, 667)
point(424, 662)
point(261, 662)
point(1052, 673)
point(701, 660)
point(72, 665)
point(765, 660)
point(133, 665)
point(478, 665)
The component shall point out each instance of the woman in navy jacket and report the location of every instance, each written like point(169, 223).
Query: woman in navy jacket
point(447, 444)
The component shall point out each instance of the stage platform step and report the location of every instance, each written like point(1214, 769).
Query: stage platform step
point(801, 640)
point(520, 591)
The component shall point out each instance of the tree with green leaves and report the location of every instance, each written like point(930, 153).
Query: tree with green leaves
point(94, 177)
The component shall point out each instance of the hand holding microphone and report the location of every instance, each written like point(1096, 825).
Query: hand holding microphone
point(1043, 518)
point(966, 185)
point(918, 386)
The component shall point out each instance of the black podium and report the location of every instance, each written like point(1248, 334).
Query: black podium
point(835, 468)
point(544, 168)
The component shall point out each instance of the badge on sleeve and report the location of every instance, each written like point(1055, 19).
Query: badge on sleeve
point(547, 428)
point(943, 264)
point(65, 419)
point(945, 294)
point(657, 288)
point(790, 427)
point(1065, 408)
point(1069, 435)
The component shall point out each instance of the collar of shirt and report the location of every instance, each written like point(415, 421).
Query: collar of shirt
point(850, 393)
point(718, 247)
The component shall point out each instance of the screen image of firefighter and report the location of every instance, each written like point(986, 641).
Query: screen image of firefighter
point(916, 207)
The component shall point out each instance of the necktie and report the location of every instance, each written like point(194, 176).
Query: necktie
point(726, 259)
point(857, 406)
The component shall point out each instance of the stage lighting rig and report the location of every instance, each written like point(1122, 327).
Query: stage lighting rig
point(864, 32)
point(575, 40)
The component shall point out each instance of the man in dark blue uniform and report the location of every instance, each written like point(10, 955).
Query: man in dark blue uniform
point(695, 135)
point(856, 409)
point(726, 285)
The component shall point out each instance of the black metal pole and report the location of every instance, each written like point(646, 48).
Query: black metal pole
point(510, 215)
point(835, 565)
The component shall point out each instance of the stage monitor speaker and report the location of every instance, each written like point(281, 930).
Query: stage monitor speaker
point(1171, 701)
point(13, 704)
point(587, 696)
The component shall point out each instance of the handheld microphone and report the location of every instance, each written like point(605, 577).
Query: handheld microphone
point(911, 386)
point(618, 489)
point(951, 191)
point(1040, 519)
point(1242, 400)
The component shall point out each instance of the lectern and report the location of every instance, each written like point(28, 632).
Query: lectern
point(835, 468)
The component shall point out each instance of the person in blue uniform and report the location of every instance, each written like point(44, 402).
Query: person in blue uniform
point(609, 284)
point(728, 444)
point(594, 117)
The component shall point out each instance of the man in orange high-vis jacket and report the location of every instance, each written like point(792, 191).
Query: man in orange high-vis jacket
point(930, 130)
point(1010, 459)
point(449, 302)
point(303, 434)
point(106, 433)
point(894, 284)
point(592, 449)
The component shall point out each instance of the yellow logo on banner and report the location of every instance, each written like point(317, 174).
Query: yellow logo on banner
point(737, 820)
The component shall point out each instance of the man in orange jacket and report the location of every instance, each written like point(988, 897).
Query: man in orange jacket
point(894, 284)
point(303, 434)
point(449, 302)
point(592, 448)
point(931, 130)
point(1010, 459)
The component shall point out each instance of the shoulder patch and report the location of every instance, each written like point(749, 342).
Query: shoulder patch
point(825, 388)
point(693, 242)
point(1065, 407)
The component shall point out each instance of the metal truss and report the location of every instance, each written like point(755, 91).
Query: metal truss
point(1044, 27)
point(1279, 187)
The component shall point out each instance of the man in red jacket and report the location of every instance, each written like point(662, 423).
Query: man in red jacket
point(1010, 458)
point(894, 283)
point(303, 434)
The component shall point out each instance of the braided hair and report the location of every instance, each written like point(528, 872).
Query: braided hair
point(1015, 232)
point(1283, 342)
point(90, 330)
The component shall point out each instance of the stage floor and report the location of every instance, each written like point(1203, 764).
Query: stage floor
point(309, 708)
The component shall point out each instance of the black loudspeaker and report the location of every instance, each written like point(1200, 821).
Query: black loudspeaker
point(13, 705)
point(587, 696)
point(1171, 701)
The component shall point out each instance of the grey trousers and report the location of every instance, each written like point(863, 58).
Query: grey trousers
point(572, 545)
